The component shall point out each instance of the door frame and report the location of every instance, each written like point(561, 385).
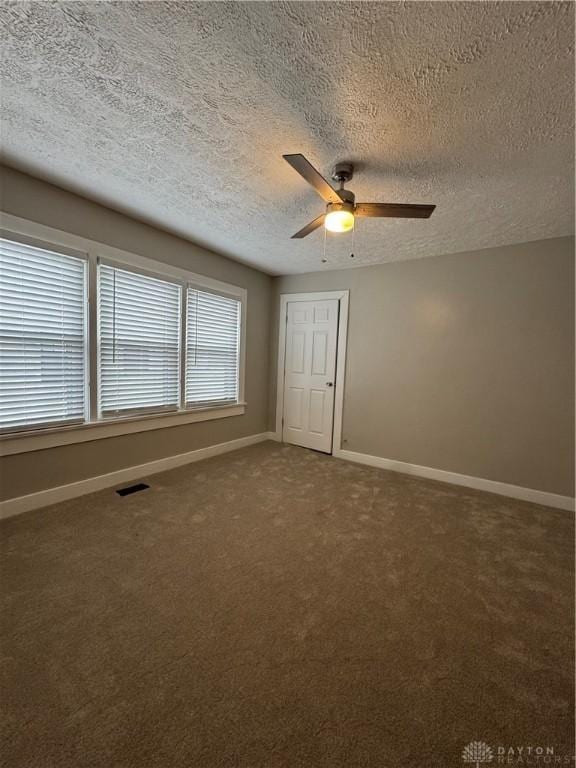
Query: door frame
point(341, 344)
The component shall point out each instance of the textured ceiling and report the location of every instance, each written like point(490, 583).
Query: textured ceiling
point(179, 112)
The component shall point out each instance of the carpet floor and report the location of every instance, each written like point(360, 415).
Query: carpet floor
point(277, 608)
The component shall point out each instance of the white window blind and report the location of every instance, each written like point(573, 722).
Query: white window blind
point(42, 337)
point(139, 342)
point(212, 349)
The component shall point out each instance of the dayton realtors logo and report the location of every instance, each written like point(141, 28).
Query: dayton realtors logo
point(477, 753)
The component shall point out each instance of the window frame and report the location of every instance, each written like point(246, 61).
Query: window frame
point(95, 426)
point(82, 257)
point(101, 415)
point(194, 286)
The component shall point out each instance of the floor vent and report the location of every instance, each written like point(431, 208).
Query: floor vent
point(132, 489)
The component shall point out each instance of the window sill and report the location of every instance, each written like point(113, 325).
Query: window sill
point(40, 439)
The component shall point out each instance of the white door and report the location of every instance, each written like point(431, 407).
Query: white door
point(309, 371)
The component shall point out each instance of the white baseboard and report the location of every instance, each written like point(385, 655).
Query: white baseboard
point(49, 496)
point(276, 436)
point(64, 492)
point(480, 484)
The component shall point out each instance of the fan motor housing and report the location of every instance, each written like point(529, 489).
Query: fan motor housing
point(347, 206)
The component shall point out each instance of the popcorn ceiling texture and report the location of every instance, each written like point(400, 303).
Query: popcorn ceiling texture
point(179, 112)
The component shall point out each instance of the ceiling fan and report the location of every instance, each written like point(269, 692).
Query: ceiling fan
point(341, 207)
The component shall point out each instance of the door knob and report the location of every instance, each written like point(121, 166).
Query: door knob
point(329, 383)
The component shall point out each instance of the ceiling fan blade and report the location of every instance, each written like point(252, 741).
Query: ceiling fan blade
point(310, 227)
point(394, 210)
point(311, 175)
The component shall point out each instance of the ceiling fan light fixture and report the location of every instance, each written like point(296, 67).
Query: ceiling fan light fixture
point(342, 208)
point(339, 218)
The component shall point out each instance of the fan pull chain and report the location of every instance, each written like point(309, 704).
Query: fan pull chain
point(353, 239)
point(324, 259)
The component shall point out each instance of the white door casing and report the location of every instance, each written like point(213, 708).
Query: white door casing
point(343, 298)
point(310, 372)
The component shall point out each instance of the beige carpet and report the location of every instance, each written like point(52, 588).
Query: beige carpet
point(276, 608)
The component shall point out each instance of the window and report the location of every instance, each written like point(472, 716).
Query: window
point(107, 342)
point(42, 337)
point(139, 342)
point(213, 346)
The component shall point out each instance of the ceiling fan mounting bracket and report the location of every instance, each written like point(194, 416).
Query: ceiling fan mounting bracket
point(342, 172)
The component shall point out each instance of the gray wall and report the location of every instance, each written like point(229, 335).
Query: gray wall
point(463, 363)
point(24, 196)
